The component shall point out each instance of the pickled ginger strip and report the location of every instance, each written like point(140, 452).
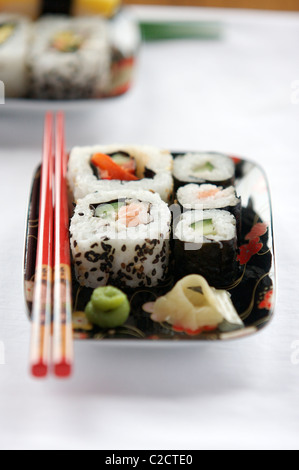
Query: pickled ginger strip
point(193, 305)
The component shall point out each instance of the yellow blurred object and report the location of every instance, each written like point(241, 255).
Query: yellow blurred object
point(99, 7)
point(33, 8)
point(6, 31)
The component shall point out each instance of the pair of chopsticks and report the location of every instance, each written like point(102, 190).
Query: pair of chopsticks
point(51, 332)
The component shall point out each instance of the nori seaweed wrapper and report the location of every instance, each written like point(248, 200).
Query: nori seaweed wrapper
point(236, 211)
point(224, 183)
point(148, 173)
point(215, 261)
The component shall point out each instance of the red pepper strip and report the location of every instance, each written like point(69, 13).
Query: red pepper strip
point(180, 329)
point(115, 172)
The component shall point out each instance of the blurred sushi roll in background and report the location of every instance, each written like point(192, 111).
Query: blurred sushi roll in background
point(14, 39)
point(206, 244)
point(69, 58)
point(204, 168)
point(209, 196)
point(117, 167)
point(121, 238)
point(59, 56)
point(34, 8)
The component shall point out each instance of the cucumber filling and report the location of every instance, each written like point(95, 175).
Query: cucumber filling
point(127, 212)
point(125, 161)
point(203, 168)
point(206, 227)
point(120, 158)
point(108, 211)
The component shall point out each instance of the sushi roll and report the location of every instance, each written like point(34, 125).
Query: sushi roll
point(209, 196)
point(117, 167)
point(121, 238)
point(69, 58)
point(14, 38)
point(204, 168)
point(206, 244)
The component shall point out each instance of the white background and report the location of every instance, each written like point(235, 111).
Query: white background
point(235, 96)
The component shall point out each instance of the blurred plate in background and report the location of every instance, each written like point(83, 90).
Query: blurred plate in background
point(124, 43)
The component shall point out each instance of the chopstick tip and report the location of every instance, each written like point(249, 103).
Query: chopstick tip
point(63, 370)
point(39, 370)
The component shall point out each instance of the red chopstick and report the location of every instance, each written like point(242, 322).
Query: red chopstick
point(42, 300)
point(62, 354)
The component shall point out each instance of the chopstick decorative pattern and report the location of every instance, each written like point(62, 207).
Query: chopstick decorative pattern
point(62, 307)
point(42, 298)
point(52, 299)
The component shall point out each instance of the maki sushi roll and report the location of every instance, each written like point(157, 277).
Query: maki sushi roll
point(209, 196)
point(117, 167)
point(14, 38)
point(206, 244)
point(204, 168)
point(69, 58)
point(121, 238)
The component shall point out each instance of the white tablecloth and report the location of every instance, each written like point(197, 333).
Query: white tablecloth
point(233, 95)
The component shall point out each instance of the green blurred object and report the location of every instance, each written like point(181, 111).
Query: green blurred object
point(163, 30)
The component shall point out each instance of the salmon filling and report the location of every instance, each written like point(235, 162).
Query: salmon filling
point(133, 215)
point(208, 193)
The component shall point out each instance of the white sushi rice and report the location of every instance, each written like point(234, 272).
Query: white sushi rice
point(186, 166)
point(13, 52)
point(82, 180)
point(193, 196)
point(69, 75)
point(224, 224)
point(109, 250)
